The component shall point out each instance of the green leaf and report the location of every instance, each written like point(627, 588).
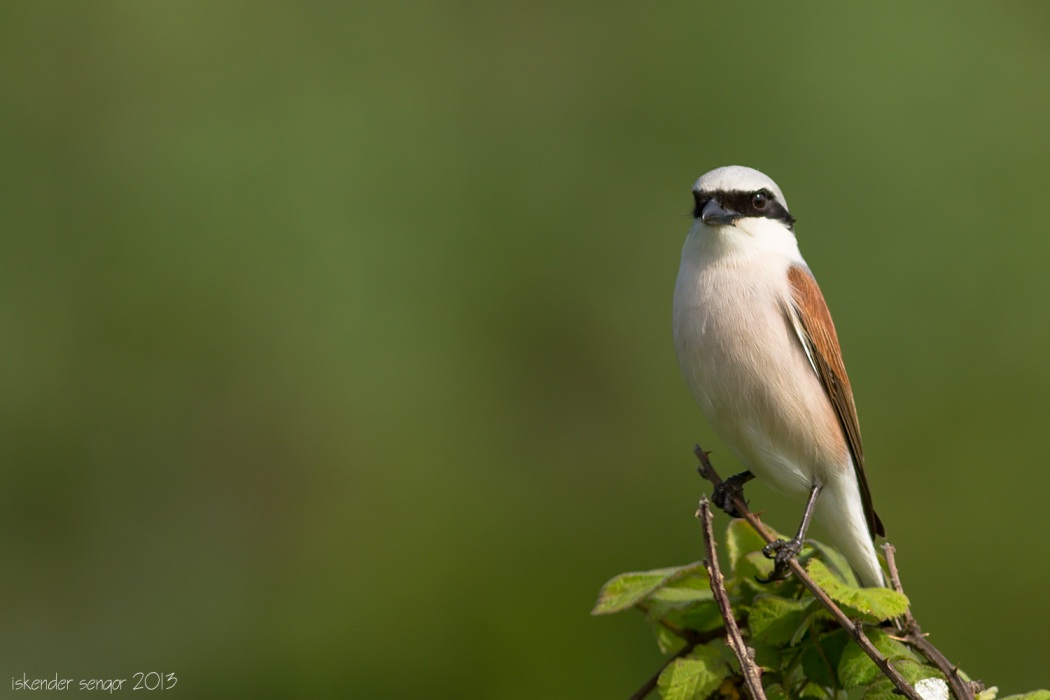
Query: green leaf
point(753, 566)
point(814, 612)
point(696, 676)
point(821, 663)
point(687, 590)
point(856, 669)
point(877, 604)
point(776, 692)
point(627, 590)
point(684, 594)
point(687, 679)
point(814, 690)
point(774, 619)
point(915, 671)
point(741, 539)
point(1033, 695)
point(767, 655)
point(667, 641)
point(836, 562)
point(882, 689)
point(701, 618)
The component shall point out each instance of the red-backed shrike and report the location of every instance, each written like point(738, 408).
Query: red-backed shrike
point(759, 352)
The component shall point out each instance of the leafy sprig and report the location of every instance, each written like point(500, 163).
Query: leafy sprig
point(818, 634)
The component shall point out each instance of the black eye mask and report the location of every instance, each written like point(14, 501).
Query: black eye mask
point(745, 204)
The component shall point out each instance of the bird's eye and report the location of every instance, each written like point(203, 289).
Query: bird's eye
point(760, 200)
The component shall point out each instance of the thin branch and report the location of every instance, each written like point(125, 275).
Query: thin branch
point(914, 636)
point(744, 654)
point(895, 579)
point(853, 628)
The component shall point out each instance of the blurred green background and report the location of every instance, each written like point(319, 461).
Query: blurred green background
point(336, 354)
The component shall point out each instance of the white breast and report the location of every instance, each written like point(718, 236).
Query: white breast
point(742, 361)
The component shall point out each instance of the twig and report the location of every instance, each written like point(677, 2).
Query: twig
point(914, 636)
point(744, 654)
point(853, 628)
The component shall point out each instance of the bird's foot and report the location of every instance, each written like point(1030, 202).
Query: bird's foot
point(781, 552)
point(732, 488)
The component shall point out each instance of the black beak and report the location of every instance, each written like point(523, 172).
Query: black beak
point(714, 215)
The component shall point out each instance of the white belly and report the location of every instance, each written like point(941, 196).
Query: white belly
point(748, 372)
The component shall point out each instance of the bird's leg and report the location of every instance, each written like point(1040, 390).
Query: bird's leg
point(725, 493)
point(783, 551)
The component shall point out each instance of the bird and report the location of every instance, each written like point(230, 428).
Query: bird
point(760, 355)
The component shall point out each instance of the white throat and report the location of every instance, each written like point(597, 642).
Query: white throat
point(746, 238)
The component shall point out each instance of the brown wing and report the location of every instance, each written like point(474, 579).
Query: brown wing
point(822, 346)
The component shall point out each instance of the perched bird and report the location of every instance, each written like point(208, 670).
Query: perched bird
point(759, 352)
